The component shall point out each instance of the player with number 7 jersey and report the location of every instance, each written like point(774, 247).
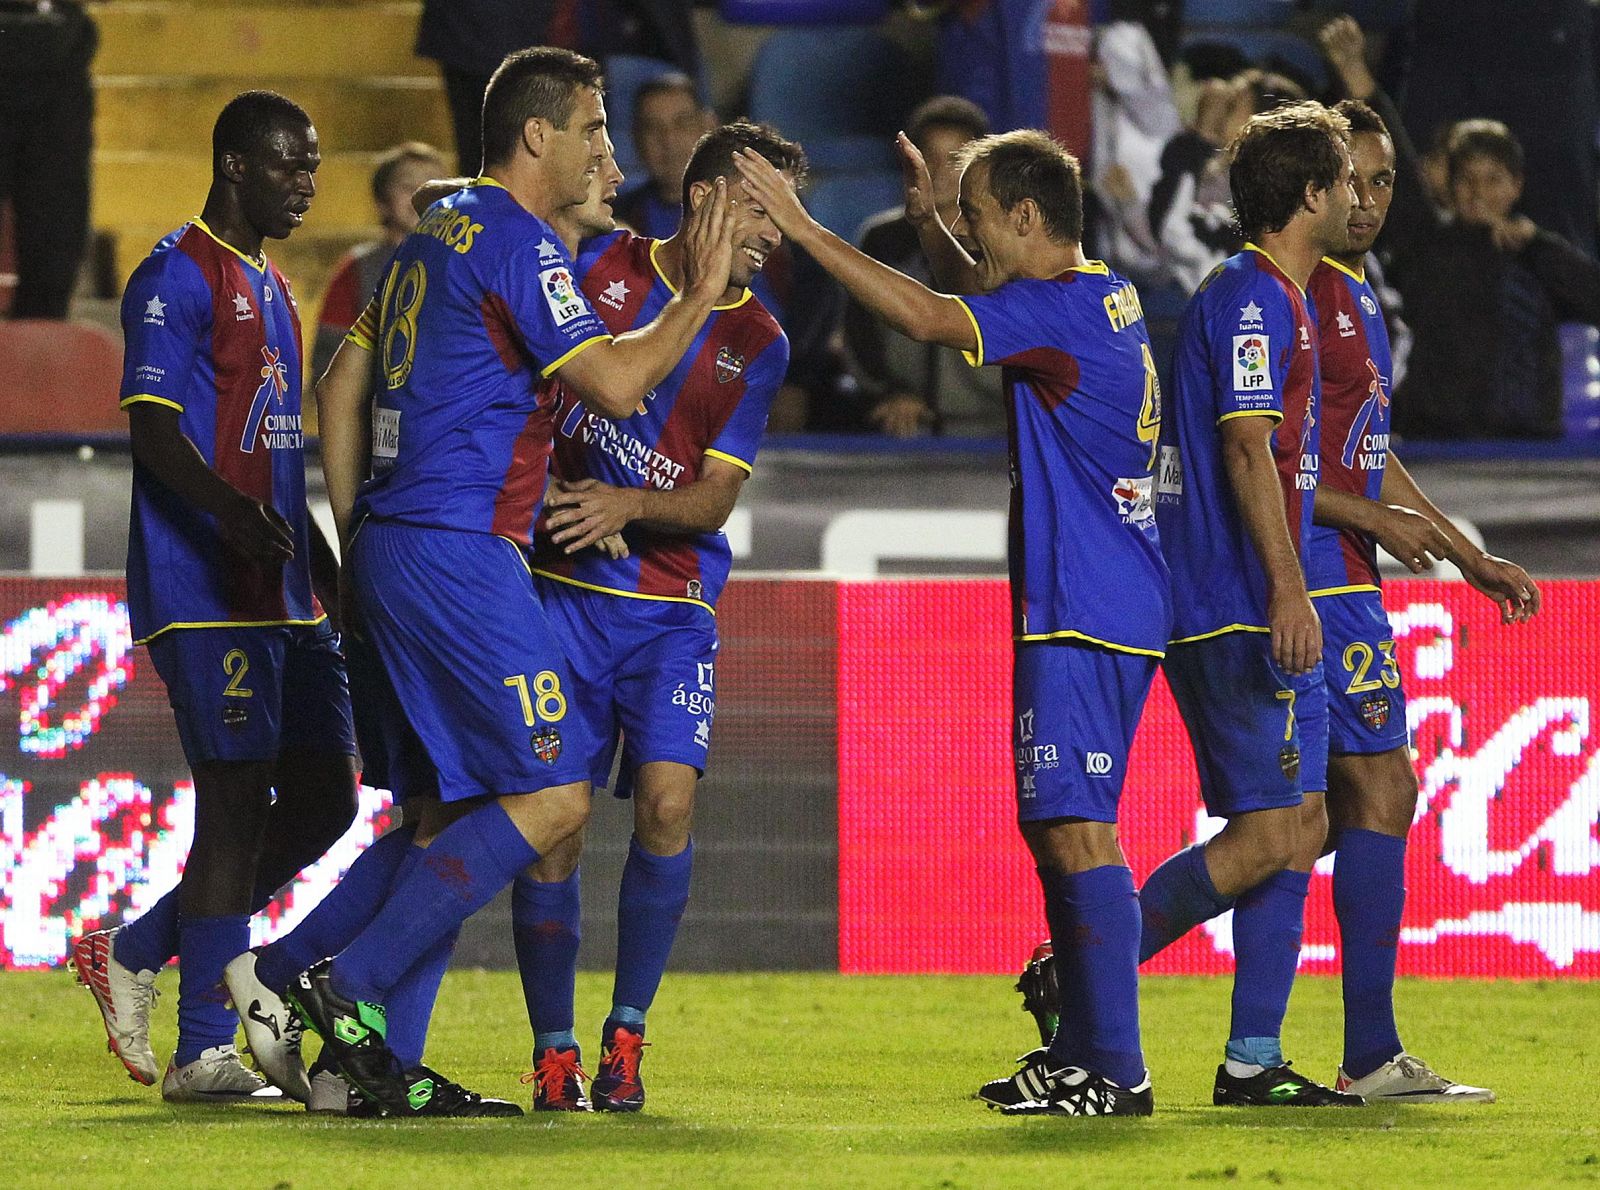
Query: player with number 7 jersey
point(1090, 594)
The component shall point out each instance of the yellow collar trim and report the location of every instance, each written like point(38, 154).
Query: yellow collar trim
point(260, 265)
point(1257, 248)
point(486, 180)
point(1360, 277)
point(655, 245)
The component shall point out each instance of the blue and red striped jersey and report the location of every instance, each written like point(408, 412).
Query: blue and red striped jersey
point(216, 336)
point(1084, 409)
point(479, 305)
point(712, 405)
point(1357, 378)
point(1246, 348)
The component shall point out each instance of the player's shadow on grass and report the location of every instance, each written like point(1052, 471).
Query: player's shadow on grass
point(1047, 1134)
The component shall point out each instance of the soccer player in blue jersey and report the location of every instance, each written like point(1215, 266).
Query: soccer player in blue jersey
point(639, 630)
point(480, 304)
point(1367, 499)
point(1085, 410)
point(1237, 476)
point(220, 591)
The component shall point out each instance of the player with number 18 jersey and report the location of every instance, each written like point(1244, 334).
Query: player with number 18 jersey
point(479, 307)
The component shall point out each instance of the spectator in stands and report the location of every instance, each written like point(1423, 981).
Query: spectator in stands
point(46, 135)
point(469, 38)
point(1484, 286)
point(1135, 116)
point(1191, 213)
point(916, 388)
point(398, 174)
point(668, 120)
point(1531, 65)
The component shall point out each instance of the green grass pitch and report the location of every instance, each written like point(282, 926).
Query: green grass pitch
point(824, 1080)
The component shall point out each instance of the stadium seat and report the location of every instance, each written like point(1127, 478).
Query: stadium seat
point(841, 92)
point(842, 202)
point(1238, 13)
point(1580, 370)
point(60, 378)
point(1270, 48)
point(625, 74)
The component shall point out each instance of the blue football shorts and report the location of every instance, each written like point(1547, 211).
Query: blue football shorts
point(249, 693)
point(1259, 735)
point(392, 754)
point(1366, 702)
point(475, 666)
point(645, 668)
point(1077, 707)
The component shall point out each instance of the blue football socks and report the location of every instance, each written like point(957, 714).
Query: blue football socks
point(340, 915)
point(1369, 897)
point(1104, 945)
point(1268, 922)
point(1177, 897)
point(655, 892)
point(545, 924)
point(205, 946)
point(409, 1008)
point(464, 867)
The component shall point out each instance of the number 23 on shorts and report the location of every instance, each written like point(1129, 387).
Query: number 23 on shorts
point(545, 702)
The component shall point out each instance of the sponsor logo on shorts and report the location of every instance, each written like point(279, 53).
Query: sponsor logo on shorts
point(547, 744)
point(1289, 761)
point(1035, 758)
point(1026, 789)
point(702, 733)
point(1025, 726)
point(696, 702)
point(1098, 764)
point(1375, 711)
point(234, 715)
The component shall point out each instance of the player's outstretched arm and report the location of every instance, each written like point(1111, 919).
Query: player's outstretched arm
point(582, 513)
point(907, 305)
point(953, 270)
point(613, 377)
point(431, 191)
point(1247, 455)
point(344, 418)
point(161, 447)
point(1409, 536)
point(1504, 582)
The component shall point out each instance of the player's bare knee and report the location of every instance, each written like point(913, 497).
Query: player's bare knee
point(1311, 832)
point(560, 862)
point(1073, 844)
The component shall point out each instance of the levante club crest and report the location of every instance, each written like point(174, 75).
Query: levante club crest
point(729, 365)
point(547, 744)
point(1375, 711)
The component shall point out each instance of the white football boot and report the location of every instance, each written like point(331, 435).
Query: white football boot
point(1408, 1079)
point(272, 1029)
point(124, 998)
point(218, 1075)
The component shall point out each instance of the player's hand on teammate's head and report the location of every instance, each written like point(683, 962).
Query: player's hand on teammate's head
point(762, 181)
point(708, 244)
point(916, 181)
point(1411, 538)
point(257, 531)
point(1507, 584)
